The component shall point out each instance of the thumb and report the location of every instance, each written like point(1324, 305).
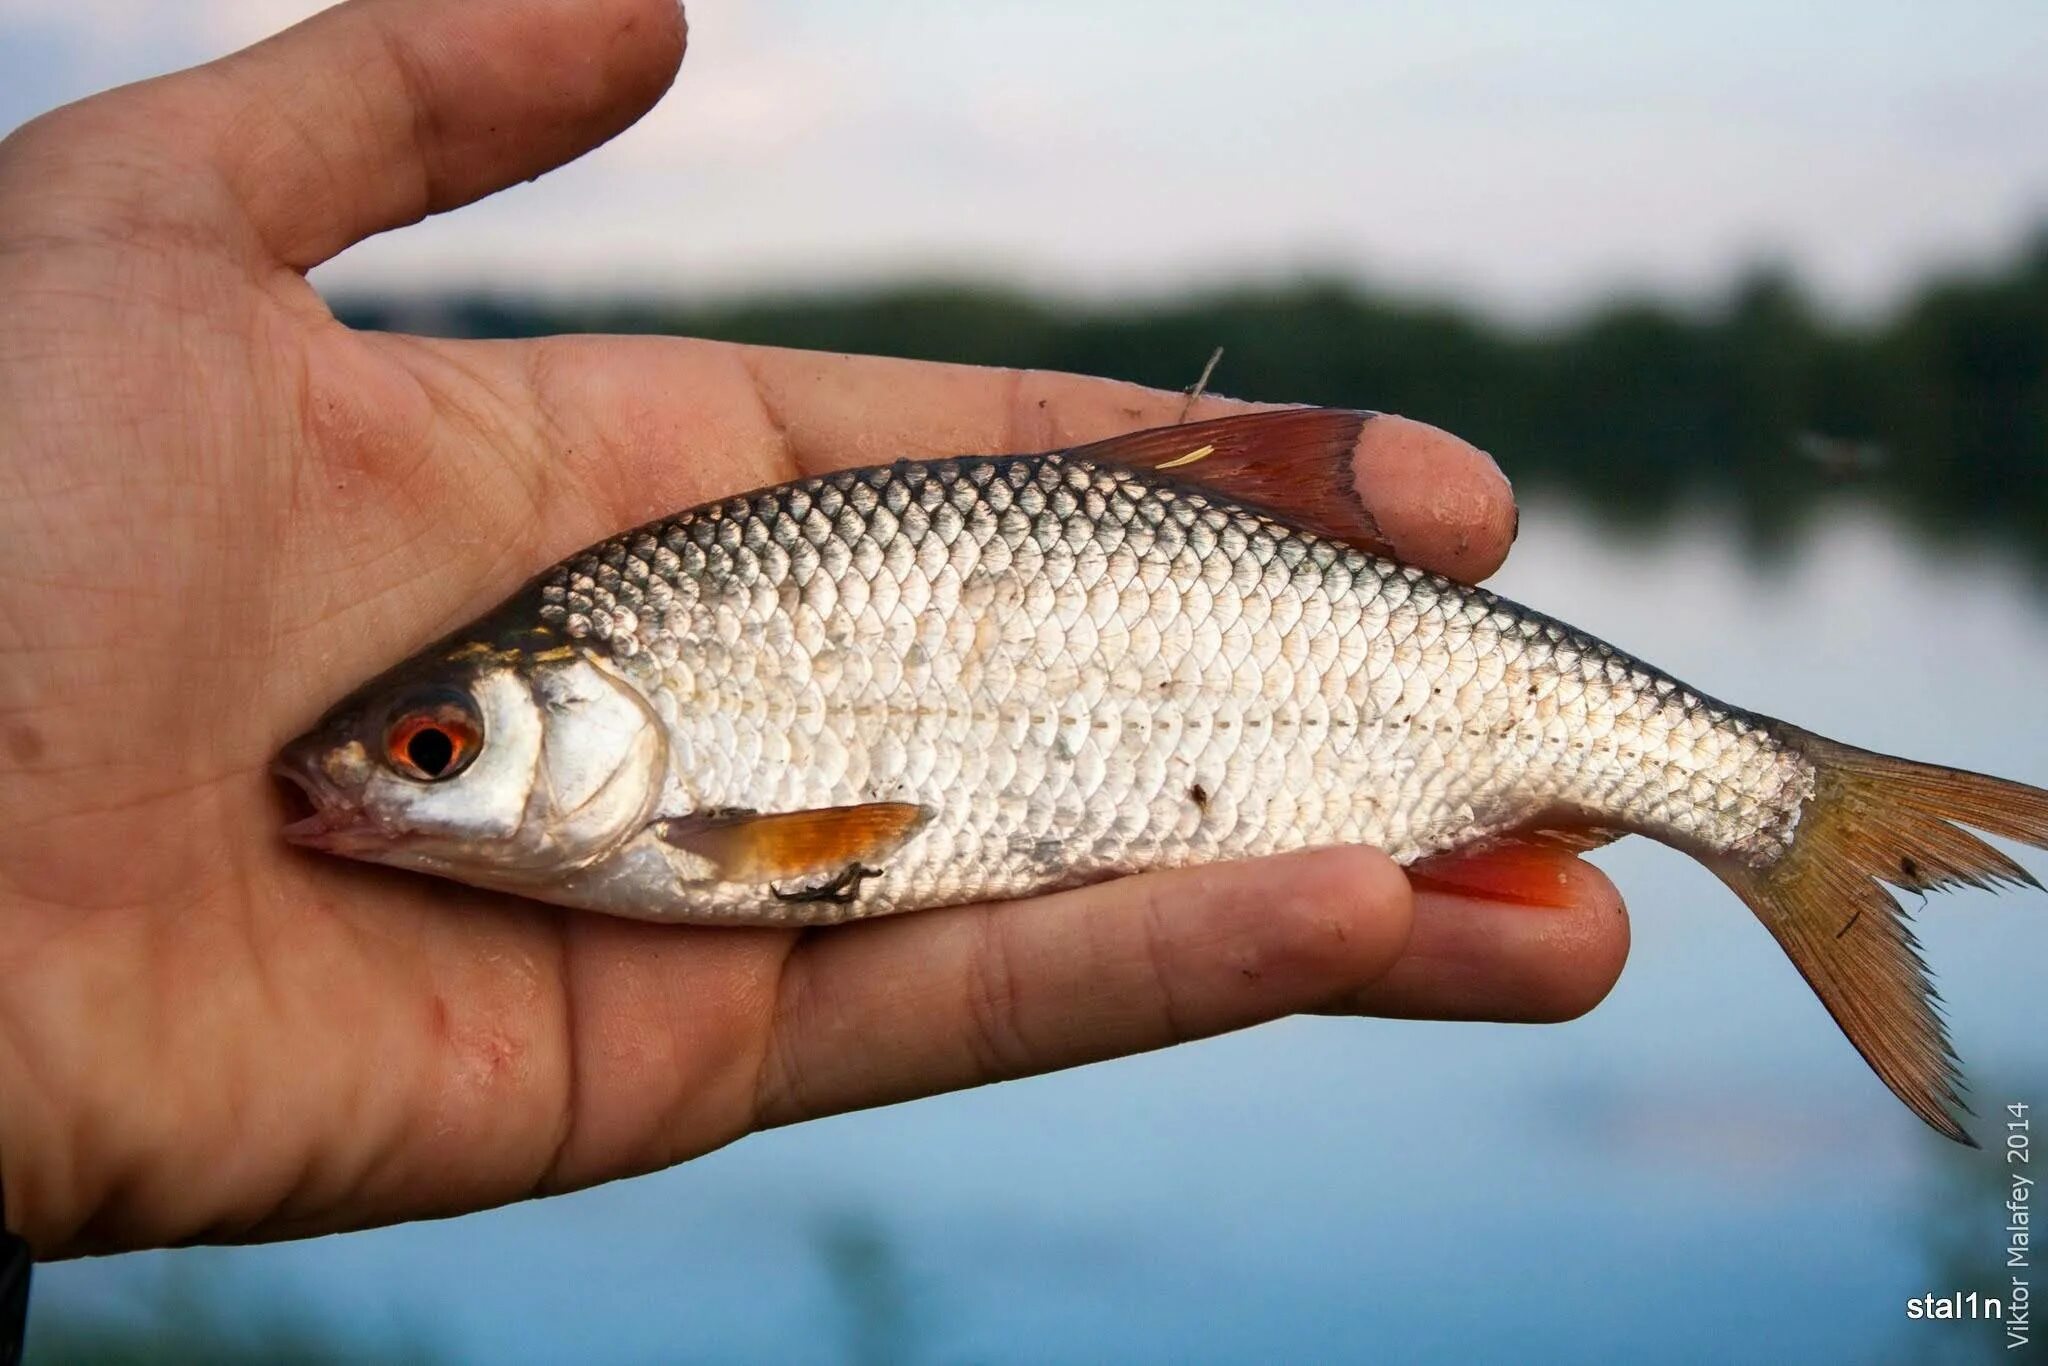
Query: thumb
point(376, 113)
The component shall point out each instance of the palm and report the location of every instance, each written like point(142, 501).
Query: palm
point(230, 508)
point(306, 506)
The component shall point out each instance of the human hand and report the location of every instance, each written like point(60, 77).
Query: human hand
point(221, 509)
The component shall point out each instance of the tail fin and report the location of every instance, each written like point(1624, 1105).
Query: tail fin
point(1874, 820)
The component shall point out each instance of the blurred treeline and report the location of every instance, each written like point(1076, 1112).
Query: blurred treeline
point(1761, 403)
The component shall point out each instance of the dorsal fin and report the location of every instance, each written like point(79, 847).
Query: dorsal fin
point(1295, 463)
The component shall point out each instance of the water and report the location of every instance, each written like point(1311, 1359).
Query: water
point(1701, 1169)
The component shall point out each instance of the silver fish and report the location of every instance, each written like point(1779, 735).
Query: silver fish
point(944, 681)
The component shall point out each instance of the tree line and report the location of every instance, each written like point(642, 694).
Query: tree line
point(1760, 403)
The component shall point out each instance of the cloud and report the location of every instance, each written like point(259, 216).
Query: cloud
point(1534, 154)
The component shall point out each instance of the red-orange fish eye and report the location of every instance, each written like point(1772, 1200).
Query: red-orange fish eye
point(432, 739)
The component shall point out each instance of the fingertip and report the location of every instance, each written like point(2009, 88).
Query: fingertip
point(1474, 958)
point(652, 39)
point(1572, 960)
point(1442, 503)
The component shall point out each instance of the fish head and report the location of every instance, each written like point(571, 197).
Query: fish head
point(495, 767)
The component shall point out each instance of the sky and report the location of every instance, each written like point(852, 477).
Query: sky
point(1529, 155)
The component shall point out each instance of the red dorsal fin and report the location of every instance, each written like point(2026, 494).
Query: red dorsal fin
point(1295, 463)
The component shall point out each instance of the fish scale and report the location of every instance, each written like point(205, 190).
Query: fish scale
point(1122, 641)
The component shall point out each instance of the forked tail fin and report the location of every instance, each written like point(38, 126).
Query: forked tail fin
point(1874, 820)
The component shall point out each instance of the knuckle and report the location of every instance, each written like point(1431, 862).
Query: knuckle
point(782, 1094)
point(1159, 967)
point(994, 1040)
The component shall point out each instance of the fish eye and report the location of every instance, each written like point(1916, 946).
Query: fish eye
point(433, 736)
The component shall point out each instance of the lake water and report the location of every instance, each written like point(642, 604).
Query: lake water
point(1701, 1169)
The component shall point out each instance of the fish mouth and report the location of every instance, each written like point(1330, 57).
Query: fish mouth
point(326, 819)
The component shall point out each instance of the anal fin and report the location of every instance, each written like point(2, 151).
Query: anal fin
point(1526, 868)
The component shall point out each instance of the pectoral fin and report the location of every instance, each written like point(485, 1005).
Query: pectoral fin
point(749, 846)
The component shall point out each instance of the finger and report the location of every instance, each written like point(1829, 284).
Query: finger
point(1441, 501)
point(900, 1008)
point(683, 420)
point(378, 112)
point(1470, 958)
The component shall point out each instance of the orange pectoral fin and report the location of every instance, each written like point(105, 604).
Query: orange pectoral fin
point(1294, 462)
point(1532, 869)
point(752, 847)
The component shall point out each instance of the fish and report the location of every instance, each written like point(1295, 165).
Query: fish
point(934, 682)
